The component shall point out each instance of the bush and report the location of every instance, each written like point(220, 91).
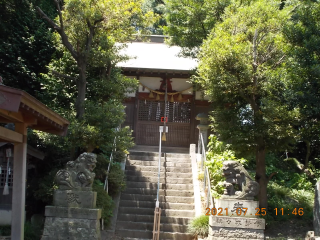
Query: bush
point(32, 232)
point(5, 230)
point(116, 178)
point(199, 226)
point(280, 196)
point(104, 201)
point(216, 155)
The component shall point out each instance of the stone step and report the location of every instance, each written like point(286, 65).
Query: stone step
point(151, 204)
point(155, 164)
point(150, 218)
point(138, 234)
point(150, 211)
point(154, 179)
point(156, 154)
point(148, 226)
point(177, 173)
point(152, 198)
point(179, 186)
point(146, 191)
point(185, 159)
point(155, 169)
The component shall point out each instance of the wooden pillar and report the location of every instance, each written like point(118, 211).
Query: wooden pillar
point(193, 119)
point(19, 184)
point(135, 115)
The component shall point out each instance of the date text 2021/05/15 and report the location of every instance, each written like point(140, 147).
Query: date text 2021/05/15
point(259, 211)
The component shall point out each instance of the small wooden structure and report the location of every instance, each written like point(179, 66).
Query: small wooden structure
point(20, 108)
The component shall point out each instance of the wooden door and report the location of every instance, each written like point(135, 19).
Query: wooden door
point(149, 120)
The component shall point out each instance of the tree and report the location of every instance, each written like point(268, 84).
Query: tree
point(189, 22)
point(25, 45)
point(89, 29)
point(242, 69)
point(303, 33)
point(159, 8)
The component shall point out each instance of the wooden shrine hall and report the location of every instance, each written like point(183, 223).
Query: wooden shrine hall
point(158, 68)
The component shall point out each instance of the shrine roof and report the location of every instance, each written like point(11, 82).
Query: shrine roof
point(17, 106)
point(156, 56)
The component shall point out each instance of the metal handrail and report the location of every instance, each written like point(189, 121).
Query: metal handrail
point(159, 165)
point(114, 149)
point(206, 178)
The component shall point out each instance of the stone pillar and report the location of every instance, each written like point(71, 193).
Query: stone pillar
point(19, 184)
point(316, 210)
point(203, 127)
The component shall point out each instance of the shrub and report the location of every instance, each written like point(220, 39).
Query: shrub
point(199, 226)
point(5, 230)
point(32, 232)
point(280, 196)
point(104, 201)
point(216, 155)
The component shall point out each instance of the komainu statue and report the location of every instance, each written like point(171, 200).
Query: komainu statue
point(78, 174)
point(238, 183)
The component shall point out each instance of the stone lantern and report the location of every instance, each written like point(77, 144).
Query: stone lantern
point(203, 127)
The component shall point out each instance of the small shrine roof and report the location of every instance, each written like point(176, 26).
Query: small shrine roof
point(17, 106)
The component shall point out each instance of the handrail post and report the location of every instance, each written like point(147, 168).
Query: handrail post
point(114, 149)
point(159, 165)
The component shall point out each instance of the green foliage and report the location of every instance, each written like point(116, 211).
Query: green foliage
point(44, 190)
point(288, 174)
point(190, 22)
point(32, 232)
point(116, 178)
point(159, 8)
point(280, 196)
point(5, 230)
point(199, 226)
point(25, 45)
point(246, 89)
point(302, 32)
point(216, 155)
point(104, 201)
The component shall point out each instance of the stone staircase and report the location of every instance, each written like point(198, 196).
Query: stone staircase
point(137, 202)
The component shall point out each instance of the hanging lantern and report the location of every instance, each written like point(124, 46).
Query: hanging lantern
point(151, 95)
point(158, 97)
point(180, 97)
point(172, 99)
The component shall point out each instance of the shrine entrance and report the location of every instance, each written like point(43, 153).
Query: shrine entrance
point(149, 119)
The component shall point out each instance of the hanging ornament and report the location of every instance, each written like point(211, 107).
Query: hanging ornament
point(180, 97)
point(151, 95)
point(145, 102)
point(172, 99)
point(158, 97)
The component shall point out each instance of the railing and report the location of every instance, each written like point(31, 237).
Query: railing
point(157, 210)
point(204, 169)
point(114, 149)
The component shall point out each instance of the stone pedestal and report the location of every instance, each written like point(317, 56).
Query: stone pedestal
point(235, 220)
point(73, 217)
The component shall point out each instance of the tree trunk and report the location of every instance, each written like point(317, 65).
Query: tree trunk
point(261, 176)
point(81, 87)
point(306, 161)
